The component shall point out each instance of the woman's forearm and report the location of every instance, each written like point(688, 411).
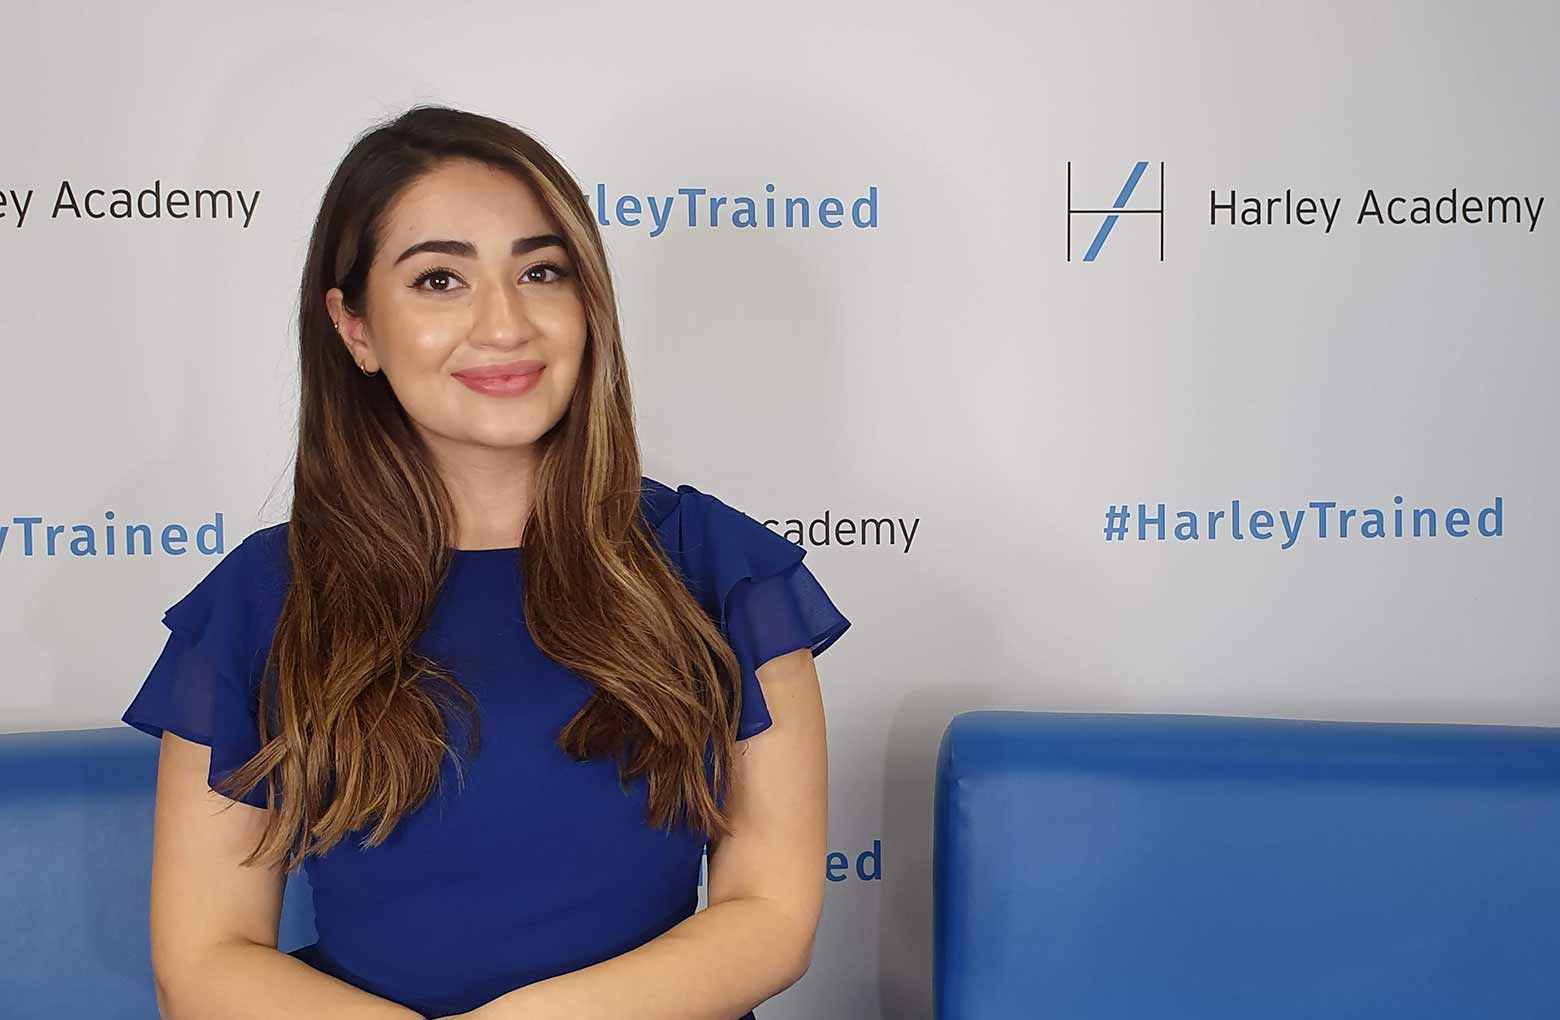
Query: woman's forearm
point(249, 981)
point(714, 965)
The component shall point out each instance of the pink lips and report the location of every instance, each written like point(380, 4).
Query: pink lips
point(511, 378)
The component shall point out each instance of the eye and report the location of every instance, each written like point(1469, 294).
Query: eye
point(427, 274)
point(562, 273)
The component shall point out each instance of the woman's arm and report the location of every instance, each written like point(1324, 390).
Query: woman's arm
point(715, 965)
point(250, 981)
point(766, 883)
point(214, 923)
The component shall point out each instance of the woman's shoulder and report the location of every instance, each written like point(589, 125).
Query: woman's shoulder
point(245, 586)
point(269, 549)
point(715, 544)
point(683, 516)
point(667, 505)
point(658, 500)
point(685, 504)
point(263, 561)
point(749, 576)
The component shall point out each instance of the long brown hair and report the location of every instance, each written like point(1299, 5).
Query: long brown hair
point(351, 728)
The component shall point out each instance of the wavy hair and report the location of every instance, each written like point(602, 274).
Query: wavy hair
point(351, 726)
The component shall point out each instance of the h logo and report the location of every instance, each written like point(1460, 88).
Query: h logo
point(1120, 207)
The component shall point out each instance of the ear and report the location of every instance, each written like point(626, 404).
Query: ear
point(351, 330)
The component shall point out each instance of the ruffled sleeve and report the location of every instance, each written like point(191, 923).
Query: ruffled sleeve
point(203, 685)
point(753, 582)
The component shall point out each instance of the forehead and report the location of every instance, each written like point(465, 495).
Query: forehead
point(469, 201)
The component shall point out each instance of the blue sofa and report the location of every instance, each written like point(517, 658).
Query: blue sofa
point(1085, 867)
point(1184, 867)
point(75, 868)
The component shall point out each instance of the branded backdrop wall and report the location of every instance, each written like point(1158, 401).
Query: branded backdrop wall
point(1136, 357)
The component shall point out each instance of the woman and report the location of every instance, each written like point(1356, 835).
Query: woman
point(487, 684)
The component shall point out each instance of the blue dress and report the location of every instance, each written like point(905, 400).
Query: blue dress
point(541, 865)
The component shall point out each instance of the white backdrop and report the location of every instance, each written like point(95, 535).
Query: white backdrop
point(957, 371)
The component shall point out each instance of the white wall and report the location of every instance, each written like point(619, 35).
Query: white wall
point(948, 368)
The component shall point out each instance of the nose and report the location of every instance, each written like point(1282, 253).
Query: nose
point(501, 317)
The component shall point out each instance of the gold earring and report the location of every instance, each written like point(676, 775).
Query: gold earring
point(359, 364)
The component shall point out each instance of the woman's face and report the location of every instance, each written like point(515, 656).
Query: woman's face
point(471, 273)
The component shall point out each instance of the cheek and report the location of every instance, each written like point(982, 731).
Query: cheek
point(429, 351)
point(418, 352)
point(419, 365)
point(566, 379)
point(568, 358)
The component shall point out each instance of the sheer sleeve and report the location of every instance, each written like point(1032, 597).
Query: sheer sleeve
point(753, 582)
point(200, 685)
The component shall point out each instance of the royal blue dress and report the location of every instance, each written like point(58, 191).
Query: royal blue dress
point(541, 865)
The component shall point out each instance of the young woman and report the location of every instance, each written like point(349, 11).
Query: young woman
point(491, 687)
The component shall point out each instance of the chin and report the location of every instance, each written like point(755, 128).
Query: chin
point(509, 437)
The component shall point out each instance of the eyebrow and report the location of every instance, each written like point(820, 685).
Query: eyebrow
point(468, 250)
